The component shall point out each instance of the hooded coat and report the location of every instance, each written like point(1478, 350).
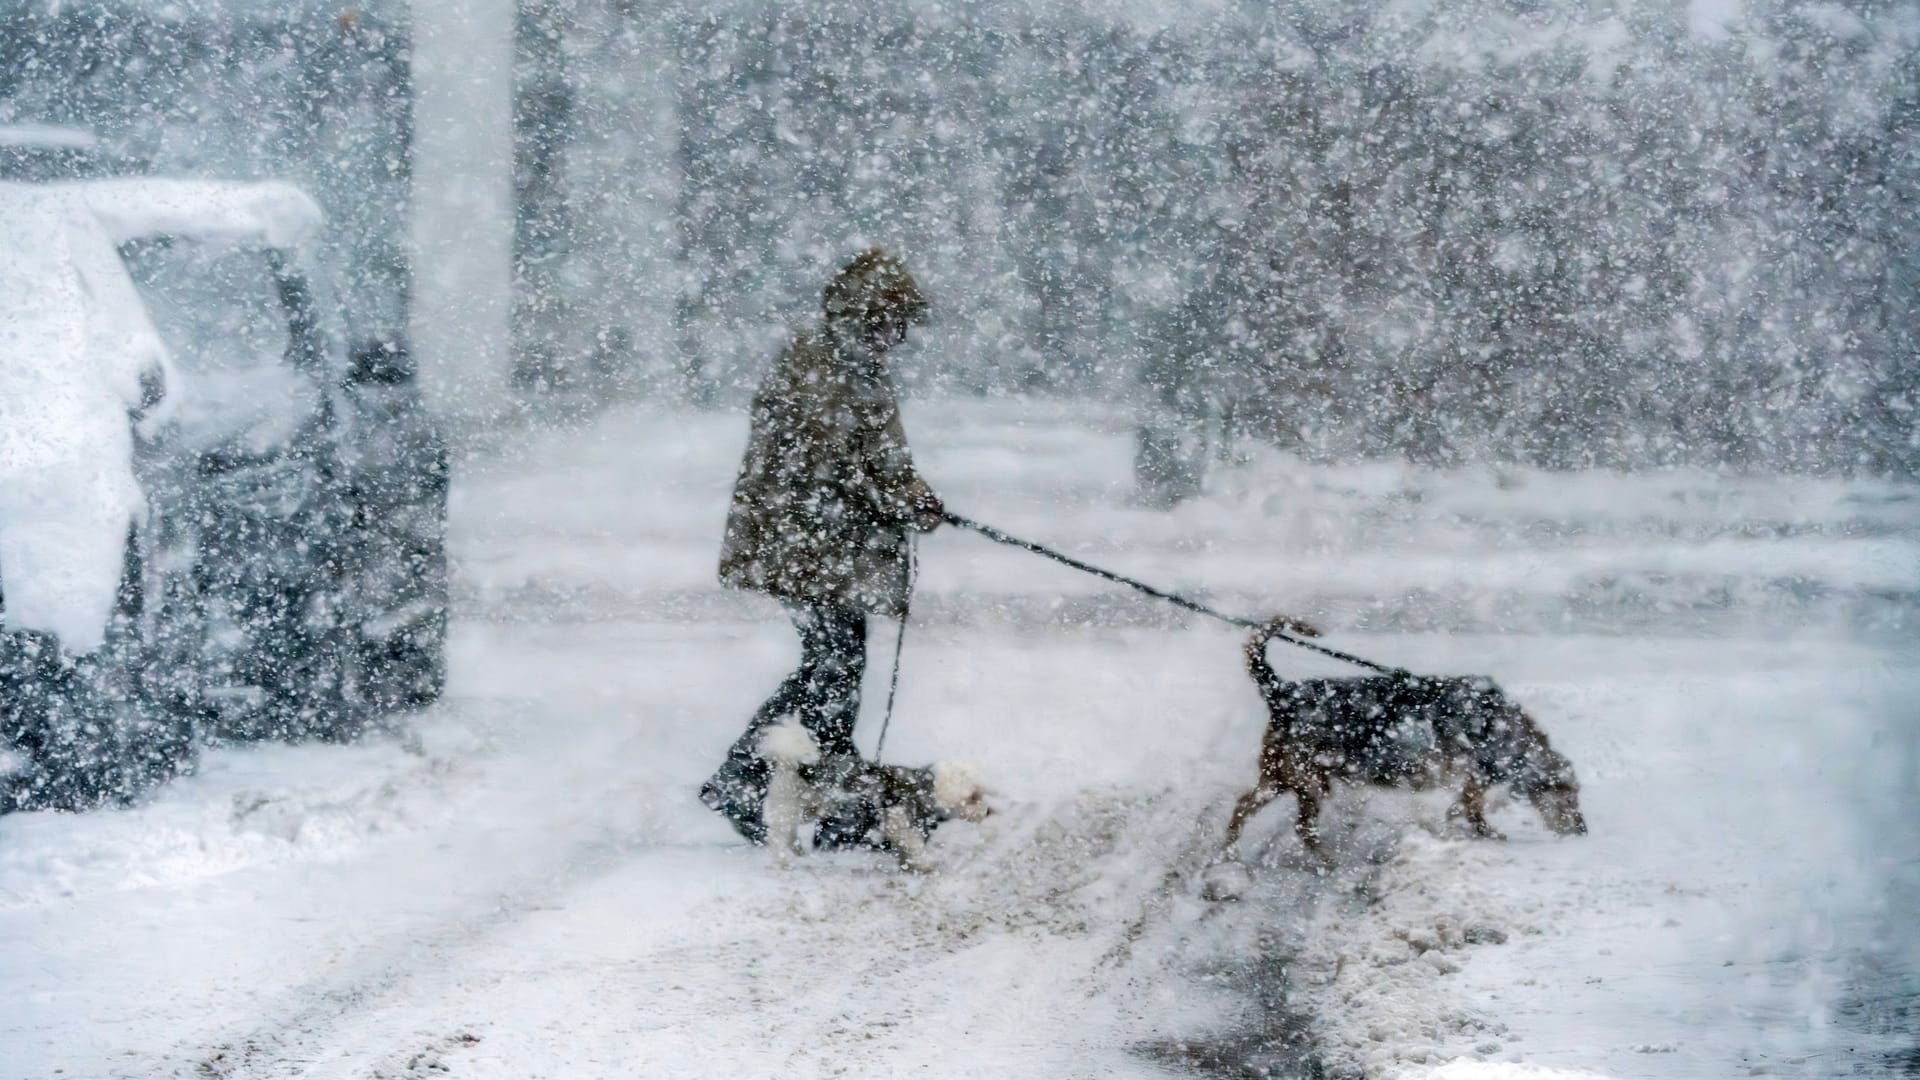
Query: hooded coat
point(827, 493)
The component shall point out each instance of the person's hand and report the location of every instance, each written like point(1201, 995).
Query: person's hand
point(1287, 624)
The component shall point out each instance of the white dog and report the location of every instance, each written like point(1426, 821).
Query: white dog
point(888, 807)
point(791, 799)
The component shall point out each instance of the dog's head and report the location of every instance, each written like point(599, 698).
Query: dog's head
point(1549, 784)
point(958, 790)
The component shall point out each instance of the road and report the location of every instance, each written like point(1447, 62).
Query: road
point(536, 893)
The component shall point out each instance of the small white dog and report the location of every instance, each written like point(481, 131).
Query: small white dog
point(791, 800)
point(889, 807)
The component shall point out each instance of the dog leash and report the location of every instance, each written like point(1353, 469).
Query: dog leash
point(899, 644)
point(1176, 599)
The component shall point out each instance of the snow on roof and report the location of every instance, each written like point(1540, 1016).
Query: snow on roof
point(267, 213)
point(75, 342)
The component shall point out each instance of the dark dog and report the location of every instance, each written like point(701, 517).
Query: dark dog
point(1401, 731)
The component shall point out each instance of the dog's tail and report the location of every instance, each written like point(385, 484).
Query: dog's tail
point(1256, 648)
point(789, 744)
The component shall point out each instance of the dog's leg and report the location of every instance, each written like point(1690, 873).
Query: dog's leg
point(1473, 807)
point(908, 845)
point(781, 811)
point(1306, 823)
point(1249, 804)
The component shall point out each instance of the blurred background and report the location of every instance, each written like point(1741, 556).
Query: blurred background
point(1560, 233)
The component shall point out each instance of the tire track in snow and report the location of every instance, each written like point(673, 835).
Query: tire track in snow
point(861, 978)
point(281, 1042)
point(282, 1045)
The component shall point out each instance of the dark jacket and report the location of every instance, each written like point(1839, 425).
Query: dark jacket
point(827, 492)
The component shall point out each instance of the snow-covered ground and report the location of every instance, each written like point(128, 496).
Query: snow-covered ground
point(1729, 663)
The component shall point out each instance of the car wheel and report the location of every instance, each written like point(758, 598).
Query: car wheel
point(80, 732)
point(406, 668)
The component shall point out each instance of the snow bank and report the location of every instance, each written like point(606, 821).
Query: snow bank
point(47, 135)
point(272, 805)
point(1485, 1070)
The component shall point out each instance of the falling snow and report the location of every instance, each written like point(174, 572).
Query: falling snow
point(374, 380)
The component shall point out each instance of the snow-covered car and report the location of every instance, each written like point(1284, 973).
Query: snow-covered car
point(43, 152)
point(216, 519)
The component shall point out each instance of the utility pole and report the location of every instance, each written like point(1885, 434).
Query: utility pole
point(463, 213)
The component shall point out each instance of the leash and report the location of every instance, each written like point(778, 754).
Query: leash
point(1176, 599)
point(899, 643)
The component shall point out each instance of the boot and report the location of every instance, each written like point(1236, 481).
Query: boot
point(735, 791)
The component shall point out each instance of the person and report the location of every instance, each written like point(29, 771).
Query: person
point(822, 513)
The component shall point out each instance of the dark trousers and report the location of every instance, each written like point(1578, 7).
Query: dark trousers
point(823, 694)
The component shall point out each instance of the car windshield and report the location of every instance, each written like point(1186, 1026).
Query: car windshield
point(216, 307)
point(220, 312)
